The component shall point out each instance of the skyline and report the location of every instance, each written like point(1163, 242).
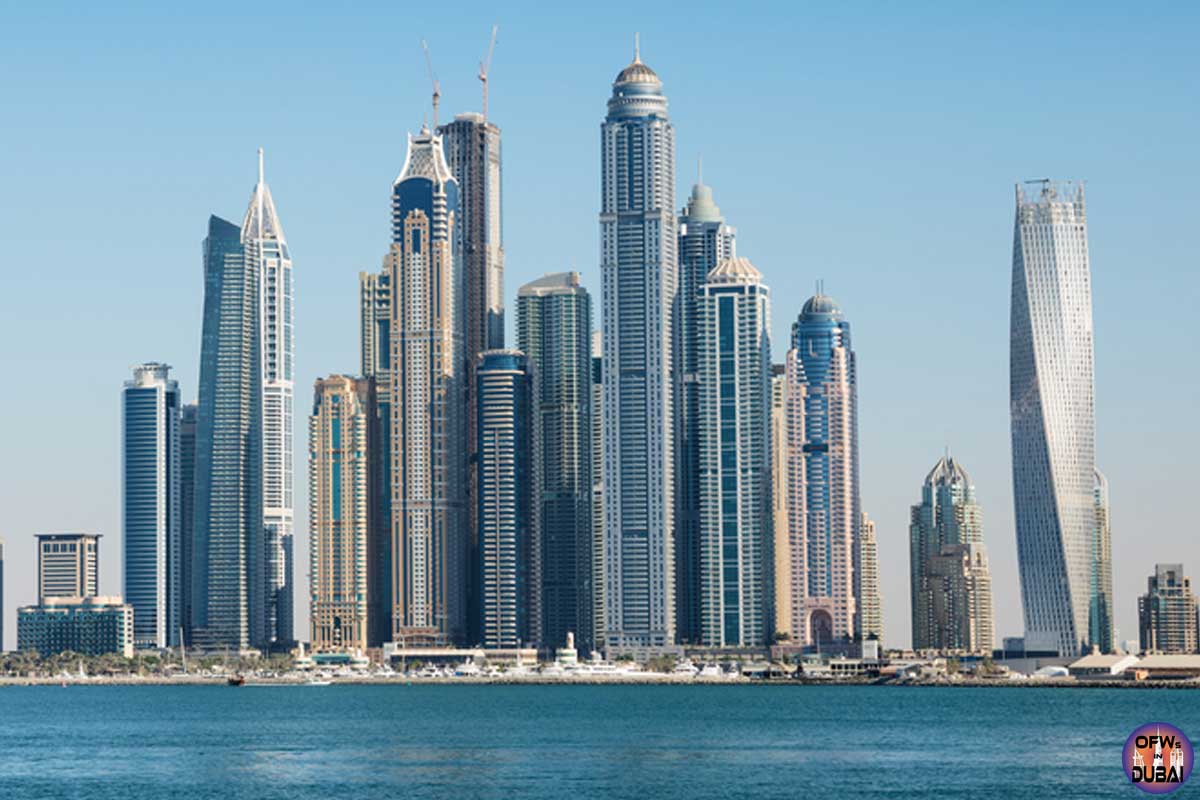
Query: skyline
point(892, 467)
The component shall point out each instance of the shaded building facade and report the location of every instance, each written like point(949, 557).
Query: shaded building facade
point(554, 328)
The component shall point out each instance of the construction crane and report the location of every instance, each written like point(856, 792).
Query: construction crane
point(486, 65)
point(437, 88)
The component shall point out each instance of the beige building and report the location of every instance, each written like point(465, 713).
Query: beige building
point(68, 565)
point(779, 500)
point(870, 609)
point(339, 512)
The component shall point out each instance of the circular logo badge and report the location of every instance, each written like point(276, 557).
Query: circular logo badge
point(1157, 758)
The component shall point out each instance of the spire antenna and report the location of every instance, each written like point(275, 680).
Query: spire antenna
point(699, 169)
point(484, 67)
point(258, 197)
point(437, 87)
point(637, 48)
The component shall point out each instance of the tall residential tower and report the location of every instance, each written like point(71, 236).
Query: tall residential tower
point(824, 509)
point(267, 253)
point(950, 582)
point(428, 370)
point(733, 371)
point(510, 596)
point(150, 505)
point(554, 329)
point(339, 512)
point(1053, 415)
point(639, 272)
point(228, 566)
point(705, 241)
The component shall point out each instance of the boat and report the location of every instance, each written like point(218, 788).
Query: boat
point(316, 682)
point(236, 680)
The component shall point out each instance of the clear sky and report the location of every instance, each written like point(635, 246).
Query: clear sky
point(874, 146)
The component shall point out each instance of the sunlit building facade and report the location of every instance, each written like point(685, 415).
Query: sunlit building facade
point(428, 368)
point(824, 509)
point(1053, 416)
point(339, 512)
point(733, 371)
point(639, 272)
point(150, 505)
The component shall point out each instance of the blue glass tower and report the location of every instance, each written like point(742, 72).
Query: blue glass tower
point(823, 505)
point(150, 508)
point(229, 575)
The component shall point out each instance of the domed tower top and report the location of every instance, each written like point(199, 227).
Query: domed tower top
point(637, 90)
point(820, 305)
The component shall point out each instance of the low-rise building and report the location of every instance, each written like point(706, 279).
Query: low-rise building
point(1101, 666)
point(89, 626)
point(1160, 667)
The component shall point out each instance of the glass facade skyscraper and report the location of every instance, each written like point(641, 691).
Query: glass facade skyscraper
point(1053, 406)
point(228, 568)
point(823, 504)
point(509, 541)
point(705, 241)
point(428, 371)
point(187, 514)
point(267, 252)
point(733, 370)
point(1167, 621)
point(639, 272)
point(554, 329)
point(151, 517)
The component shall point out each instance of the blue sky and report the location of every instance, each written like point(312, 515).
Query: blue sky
point(874, 146)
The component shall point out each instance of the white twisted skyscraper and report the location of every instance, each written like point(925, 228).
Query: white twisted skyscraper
point(639, 269)
point(267, 253)
point(1053, 425)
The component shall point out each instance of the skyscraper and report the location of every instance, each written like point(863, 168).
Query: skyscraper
point(1100, 623)
point(554, 329)
point(339, 512)
point(870, 616)
point(68, 565)
point(267, 253)
point(1167, 612)
point(705, 241)
point(509, 542)
point(733, 373)
point(375, 293)
point(598, 572)
point(779, 502)
point(1053, 426)
point(228, 569)
point(639, 272)
point(823, 494)
point(187, 514)
point(151, 515)
point(472, 149)
point(950, 582)
point(428, 368)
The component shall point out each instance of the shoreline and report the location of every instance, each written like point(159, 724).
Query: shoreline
point(538, 680)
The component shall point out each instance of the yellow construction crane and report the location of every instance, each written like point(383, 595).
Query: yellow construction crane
point(437, 89)
point(486, 65)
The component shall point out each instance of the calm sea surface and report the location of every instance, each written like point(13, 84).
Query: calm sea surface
point(646, 742)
